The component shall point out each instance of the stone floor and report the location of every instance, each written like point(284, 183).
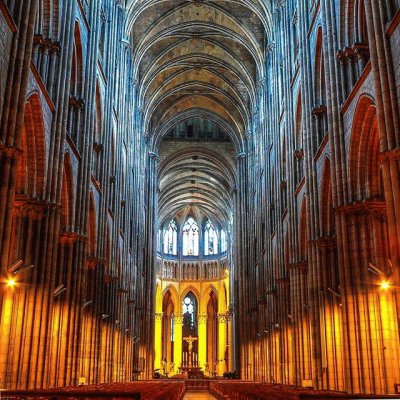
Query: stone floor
point(198, 396)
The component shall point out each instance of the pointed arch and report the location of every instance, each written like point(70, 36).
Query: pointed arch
point(31, 165)
point(173, 293)
point(210, 239)
point(326, 210)
point(77, 63)
point(98, 135)
point(299, 168)
point(320, 110)
point(195, 292)
point(67, 196)
point(364, 166)
point(191, 237)
point(92, 225)
point(170, 238)
point(205, 294)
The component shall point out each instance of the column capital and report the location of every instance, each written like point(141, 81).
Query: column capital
point(301, 265)
point(222, 318)
point(178, 319)
point(26, 206)
point(202, 318)
point(159, 316)
point(70, 237)
point(281, 3)
point(270, 47)
point(390, 155)
point(364, 207)
point(319, 111)
point(154, 156)
point(12, 152)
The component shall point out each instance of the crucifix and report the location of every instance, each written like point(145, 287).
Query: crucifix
point(189, 340)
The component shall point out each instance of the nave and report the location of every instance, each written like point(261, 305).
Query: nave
point(200, 190)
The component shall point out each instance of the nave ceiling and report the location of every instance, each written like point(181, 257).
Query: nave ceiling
point(198, 56)
point(203, 59)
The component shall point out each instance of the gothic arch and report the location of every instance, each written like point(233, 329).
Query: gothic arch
point(98, 145)
point(92, 232)
point(205, 296)
point(364, 166)
point(299, 121)
point(195, 292)
point(67, 196)
point(31, 165)
point(320, 110)
point(174, 296)
point(326, 209)
point(77, 63)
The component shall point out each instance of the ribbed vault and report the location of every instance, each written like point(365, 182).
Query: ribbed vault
point(196, 179)
point(198, 56)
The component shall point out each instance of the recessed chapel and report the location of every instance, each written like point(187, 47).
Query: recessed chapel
point(200, 192)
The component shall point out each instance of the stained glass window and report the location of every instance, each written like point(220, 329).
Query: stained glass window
point(224, 245)
point(191, 238)
point(171, 239)
point(189, 311)
point(210, 239)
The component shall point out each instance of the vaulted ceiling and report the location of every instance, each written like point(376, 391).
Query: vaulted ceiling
point(198, 58)
point(196, 178)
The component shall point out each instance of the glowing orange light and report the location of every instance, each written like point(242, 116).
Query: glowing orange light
point(11, 283)
point(385, 285)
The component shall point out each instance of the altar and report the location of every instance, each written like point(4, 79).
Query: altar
point(192, 372)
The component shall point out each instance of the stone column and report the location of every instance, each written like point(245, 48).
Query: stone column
point(241, 247)
point(229, 361)
point(158, 340)
point(202, 328)
point(222, 343)
point(178, 320)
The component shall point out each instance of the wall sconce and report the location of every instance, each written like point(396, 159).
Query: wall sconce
point(59, 290)
point(11, 283)
point(87, 303)
point(19, 267)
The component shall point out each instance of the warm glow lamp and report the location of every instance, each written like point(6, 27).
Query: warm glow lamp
point(385, 285)
point(11, 283)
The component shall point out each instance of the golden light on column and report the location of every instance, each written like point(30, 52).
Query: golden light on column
point(385, 285)
point(158, 341)
point(178, 321)
point(221, 343)
point(202, 325)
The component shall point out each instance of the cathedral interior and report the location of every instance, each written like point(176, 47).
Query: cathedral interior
point(200, 188)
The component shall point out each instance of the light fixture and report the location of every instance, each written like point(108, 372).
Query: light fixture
point(87, 303)
point(11, 282)
point(59, 289)
point(385, 285)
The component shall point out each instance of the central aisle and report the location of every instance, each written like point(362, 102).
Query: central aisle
point(198, 396)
